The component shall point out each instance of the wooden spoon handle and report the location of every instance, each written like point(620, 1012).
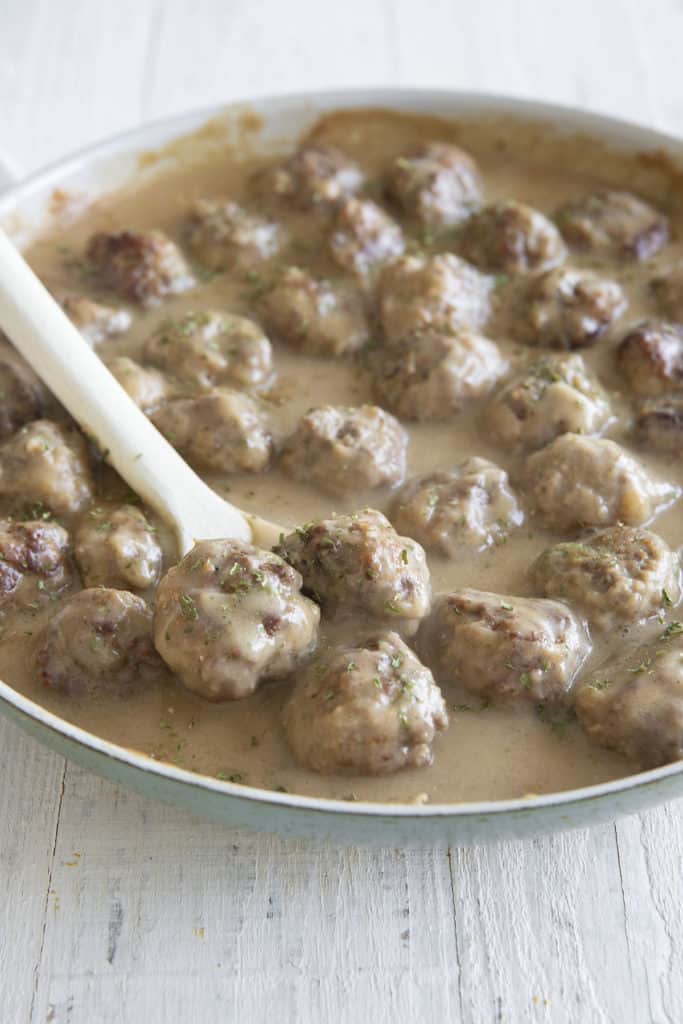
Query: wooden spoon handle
point(50, 343)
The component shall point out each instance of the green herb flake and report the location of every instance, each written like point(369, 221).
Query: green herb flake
point(188, 607)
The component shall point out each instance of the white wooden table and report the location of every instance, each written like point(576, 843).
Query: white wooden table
point(113, 908)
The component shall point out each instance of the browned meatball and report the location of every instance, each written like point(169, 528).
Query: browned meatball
point(230, 616)
point(141, 266)
point(33, 561)
point(511, 238)
point(364, 236)
point(555, 396)
point(433, 375)
point(636, 705)
point(98, 642)
point(651, 357)
point(316, 317)
point(221, 430)
point(588, 481)
point(23, 396)
point(343, 449)
point(371, 709)
point(313, 177)
point(117, 547)
point(222, 235)
point(95, 321)
point(146, 386)
point(659, 423)
point(470, 508)
point(358, 562)
point(441, 292)
point(614, 224)
point(667, 287)
point(208, 348)
point(506, 649)
point(615, 577)
point(569, 308)
point(437, 184)
point(46, 464)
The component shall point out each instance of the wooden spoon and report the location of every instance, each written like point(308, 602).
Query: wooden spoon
point(49, 342)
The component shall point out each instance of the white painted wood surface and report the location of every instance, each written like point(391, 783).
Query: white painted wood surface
point(116, 909)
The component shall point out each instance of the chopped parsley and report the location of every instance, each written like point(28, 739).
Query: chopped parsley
point(188, 607)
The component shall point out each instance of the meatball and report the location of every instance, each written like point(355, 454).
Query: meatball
point(659, 423)
point(358, 563)
point(365, 710)
point(555, 396)
point(208, 348)
point(569, 308)
point(230, 616)
point(433, 375)
point(221, 430)
point(141, 266)
point(469, 508)
point(618, 576)
point(667, 288)
point(318, 318)
point(46, 464)
point(98, 642)
point(438, 185)
point(147, 387)
point(363, 236)
point(95, 321)
point(33, 560)
point(505, 649)
point(651, 357)
point(613, 225)
point(636, 706)
point(511, 238)
point(342, 449)
point(221, 235)
point(314, 176)
point(117, 547)
point(439, 292)
point(23, 396)
point(586, 481)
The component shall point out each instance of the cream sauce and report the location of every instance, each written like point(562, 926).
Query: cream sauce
point(490, 753)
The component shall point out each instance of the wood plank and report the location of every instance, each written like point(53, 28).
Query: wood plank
point(30, 798)
point(244, 49)
point(69, 78)
point(156, 916)
point(649, 850)
point(540, 929)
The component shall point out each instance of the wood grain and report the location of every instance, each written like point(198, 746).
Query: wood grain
point(119, 909)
